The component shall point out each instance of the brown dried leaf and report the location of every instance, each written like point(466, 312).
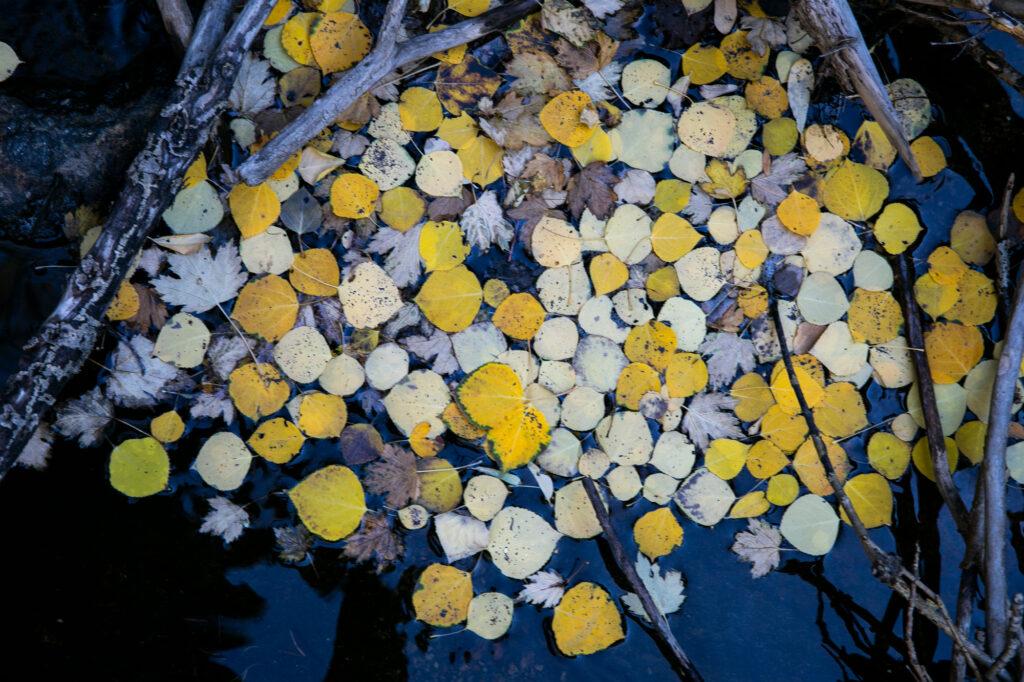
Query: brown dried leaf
point(376, 540)
point(592, 188)
point(394, 476)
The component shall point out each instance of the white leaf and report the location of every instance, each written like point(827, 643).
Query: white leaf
point(403, 262)
point(484, 224)
point(151, 260)
point(602, 8)
point(811, 525)
point(725, 15)
point(224, 354)
point(759, 545)
point(85, 418)
point(514, 162)
point(407, 316)
point(202, 281)
point(708, 416)
point(225, 519)
point(728, 353)
point(543, 588)
point(436, 347)
point(698, 210)
point(798, 89)
point(36, 453)
point(544, 482)
point(253, 90)
point(666, 590)
point(461, 536)
point(599, 84)
point(137, 378)
point(213, 405)
point(772, 187)
point(704, 497)
point(636, 187)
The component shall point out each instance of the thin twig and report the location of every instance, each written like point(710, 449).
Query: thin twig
point(1003, 246)
point(1014, 636)
point(908, 624)
point(663, 633)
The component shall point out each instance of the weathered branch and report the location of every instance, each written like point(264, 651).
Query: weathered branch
point(926, 389)
point(993, 468)
point(67, 337)
point(385, 57)
point(177, 20)
point(835, 31)
point(663, 633)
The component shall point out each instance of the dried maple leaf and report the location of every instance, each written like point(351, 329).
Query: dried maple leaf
point(437, 347)
point(403, 262)
point(293, 543)
point(727, 354)
point(543, 588)
point(225, 519)
point(202, 280)
point(602, 8)
point(36, 453)
point(771, 188)
point(759, 545)
point(394, 476)
point(376, 540)
point(709, 416)
point(151, 313)
point(592, 188)
point(666, 589)
point(85, 418)
point(544, 172)
point(583, 60)
point(484, 224)
point(138, 378)
point(254, 88)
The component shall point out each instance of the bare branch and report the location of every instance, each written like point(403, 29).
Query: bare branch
point(177, 20)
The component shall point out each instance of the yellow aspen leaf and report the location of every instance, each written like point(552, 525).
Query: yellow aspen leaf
point(765, 459)
point(459, 131)
point(562, 118)
point(662, 284)
point(703, 64)
point(971, 238)
point(767, 97)
point(779, 136)
point(125, 304)
point(139, 467)
point(321, 415)
point(872, 500)
point(440, 485)
point(874, 144)
point(442, 595)
point(280, 10)
point(685, 375)
point(934, 297)
point(442, 246)
point(753, 397)
point(855, 192)
point(469, 8)
point(489, 394)
point(421, 442)
point(462, 86)
point(946, 266)
point(742, 60)
point(782, 390)
point(519, 437)
point(874, 317)
point(753, 301)
point(657, 533)
point(267, 307)
point(555, 243)
point(1018, 205)
point(888, 455)
point(519, 316)
point(253, 208)
point(634, 382)
point(786, 430)
point(257, 390)
point(724, 183)
point(970, 440)
point(896, 228)
point(751, 250)
point(330, 502)
point(841, 412)
point(420, 110)
point(598, 148)
point(672, 196)
point(315, 272)
point(353, 195)
point(751, 505)
point(707, 127)
point(167, 427)
point(799, 213)
point(451, 298)
point(586, 621)
point(195, 173)
point(953, 350)
point(401, 208)
point(725, 457)
point(825, 144)
point(369, 296)
point(481, 161)
point(782, 489)
point(653, 343)
point(339, 40)
point(295, 37)
point(459, 424)
point(928, 155)
point(922, 457)
point(977, 302)
point(811, 471)
point(608, 273)
point(495, 291)
point(276, 440)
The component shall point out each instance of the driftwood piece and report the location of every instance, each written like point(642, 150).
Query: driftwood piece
point(682, 664)
point(67, 337)
point(385, 57)
point(835, 31)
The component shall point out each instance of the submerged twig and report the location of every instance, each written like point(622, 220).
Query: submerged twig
point(662, 632)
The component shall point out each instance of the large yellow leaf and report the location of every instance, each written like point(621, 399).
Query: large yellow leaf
point(295, 37)
point(703, 64)
point(841, 412)
point(330, 502)
point(322, 415)
point(519, 316)
point(353, 195)
point(753, 397)
point(657, 533)
point(277, 440)
point(315, 272)
point(725, 457)
point(450, 299)
point(440, 485)
point(634, 382)
point(267, 307)
point(854, 191)
point(953, 350)
point(874, 317)
point(888, 455)
point(518, 437)
point(562, 118)
point(442, 595)
point(441, 245)
point(673, 237)
point(811, 471)
point(339, 40)
point(253, 208)
point(481, 161)
point(139, 467)
point(872, 500)
point(257, 390)
point(489, 394)
point(586, 621)
point(653, 343)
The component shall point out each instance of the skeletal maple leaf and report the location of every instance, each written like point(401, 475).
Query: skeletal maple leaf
point(213, 405)
point(436, 347)
point(484, 224)
point(727, 354)
point(599, 85)
point(709, 416)
point(592, 188)
point(254, 88)
point(763, 33)
point(759, 545)
point(772, 187)
point(394, 476)
point(85, 418)
point(376, 540)
point(202, 281)
point(543, 588)
point(666, 589)
point(225, 519)
point(403, 253)
point(293, 543)
point(224, 354)
point(138, 378)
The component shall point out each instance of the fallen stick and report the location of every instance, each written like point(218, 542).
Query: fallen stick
point(177, 20)
point(835, 31)
point(663, 633)
point(68, 335)
point(385, 57)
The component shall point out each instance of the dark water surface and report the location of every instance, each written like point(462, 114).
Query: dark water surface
point(94, 583)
